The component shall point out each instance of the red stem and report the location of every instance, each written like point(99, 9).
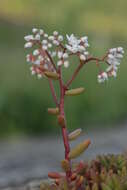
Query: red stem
point(52, 62)
point(64, 128)
point(82, 63)
point(61, 105)
point(74, 75)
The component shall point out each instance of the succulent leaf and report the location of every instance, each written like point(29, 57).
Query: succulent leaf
point(53, 111)
point(79, 149)
point(52, 75)
point(65, 165)
point(74, 92)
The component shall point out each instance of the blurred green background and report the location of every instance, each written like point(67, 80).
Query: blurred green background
point(24, 99)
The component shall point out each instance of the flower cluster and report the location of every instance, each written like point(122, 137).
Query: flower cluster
point(50, 47)
point(51, 53)
point(63, 59)
point(42, 56)
point(78, 46)
point(113, 59)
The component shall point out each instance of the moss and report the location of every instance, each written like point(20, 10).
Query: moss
point(106, 172)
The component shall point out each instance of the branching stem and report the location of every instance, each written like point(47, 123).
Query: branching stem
point(82, 63)
point(60, 104)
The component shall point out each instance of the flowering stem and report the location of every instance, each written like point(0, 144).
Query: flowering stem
point(82, 63)
point(63, 126)
point(74, 75)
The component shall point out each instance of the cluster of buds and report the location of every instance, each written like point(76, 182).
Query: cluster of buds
point(63, 59)
point(113, 59)
point(49, 47)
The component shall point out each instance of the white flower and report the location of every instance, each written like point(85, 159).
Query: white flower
point(46, 35)
point(44, 41)
point(86, 53)
point(34, 30)
point(37, 62)
point(28, 58)
point(56, 42)
point(72, 40)
point(36, 52)
point(81, 48)
point(120, 49)
point(110, 56)
point(66, 64)
point(60, 54)
point(84, 39)
point(109, 68)
point(45, 47)
point(29, 37)
point(72, 49)
point(77, 45)
point(39, 76)
point(49, 45)
point(51, 38)
point(37, 37)
point(102, 77)
point(45, 66)
point(119, 56)
point(82, 57)
point(114, 73)
point(73, 43)
point(33, 72)
point(28, 45)
point(87, 45)
point(60, 62)
point(114, 57)
point(65, 55)
point(55, 33)
point(60, 38)
point(40, 57)
point(112, 50)
point(41, 32)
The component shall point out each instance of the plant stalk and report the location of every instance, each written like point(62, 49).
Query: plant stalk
point(63, 126)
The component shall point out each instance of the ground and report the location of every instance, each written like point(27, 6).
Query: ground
point(24, 162)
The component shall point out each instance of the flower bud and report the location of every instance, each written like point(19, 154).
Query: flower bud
point(72, 136)
point(75, 152)
point(74, 92)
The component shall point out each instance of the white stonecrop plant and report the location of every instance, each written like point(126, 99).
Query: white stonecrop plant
point(50, 53)
point(52, 47)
